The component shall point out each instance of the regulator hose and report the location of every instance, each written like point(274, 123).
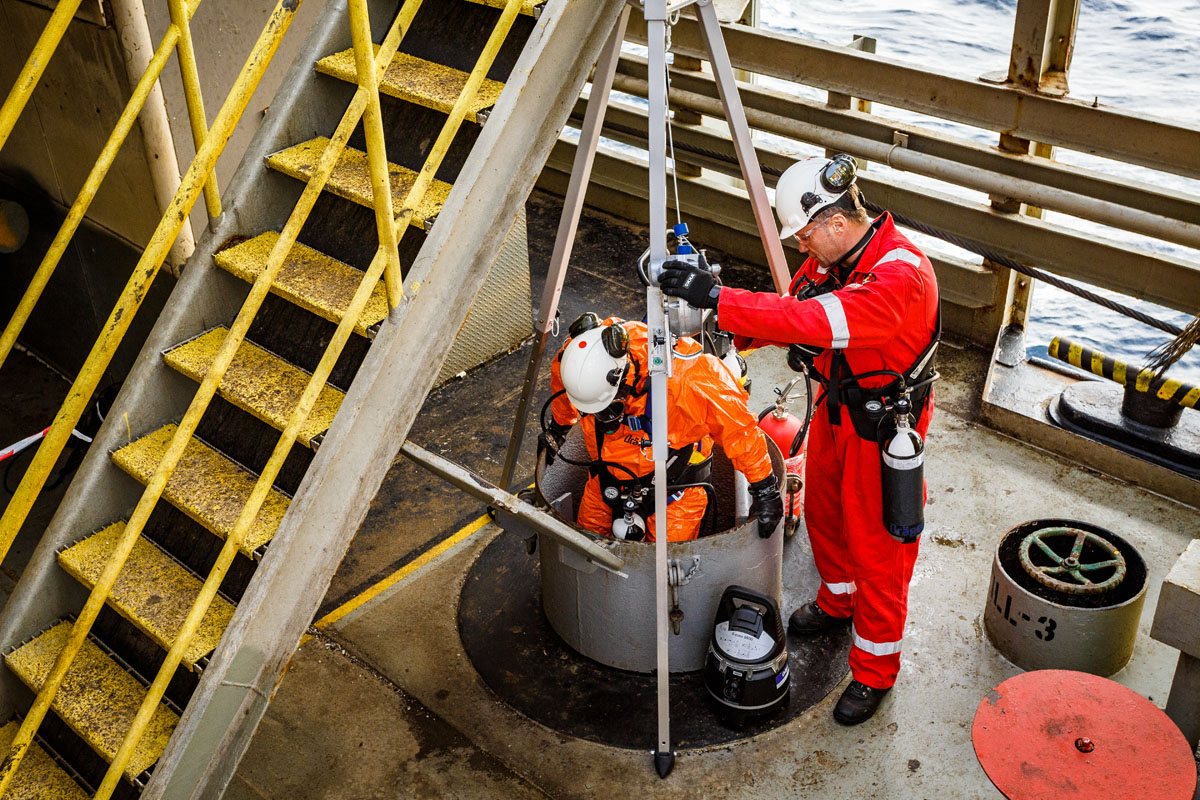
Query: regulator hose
point(588, 464)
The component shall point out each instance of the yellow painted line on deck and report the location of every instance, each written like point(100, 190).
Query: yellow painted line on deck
point(408, 569)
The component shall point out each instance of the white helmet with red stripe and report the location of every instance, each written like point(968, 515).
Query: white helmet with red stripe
point(593, 367)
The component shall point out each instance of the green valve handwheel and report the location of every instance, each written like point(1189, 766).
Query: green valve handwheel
point(1071, 560)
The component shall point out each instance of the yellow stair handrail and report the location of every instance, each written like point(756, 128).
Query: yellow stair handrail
point(114, 329)
point(91, 185)
point(316, 383)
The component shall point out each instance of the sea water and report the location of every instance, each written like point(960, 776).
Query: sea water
point(1141, 56)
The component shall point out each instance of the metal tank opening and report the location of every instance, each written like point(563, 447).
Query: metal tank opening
point(571, 645)
point(1065, 594)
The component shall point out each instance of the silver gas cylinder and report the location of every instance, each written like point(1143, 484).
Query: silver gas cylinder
point(1065, 594)
point(610, 618)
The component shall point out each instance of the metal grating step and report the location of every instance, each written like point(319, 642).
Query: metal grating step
point(207, 486)
point(38, 777)
point(416, 80)
point(530, 8)
point(97, 699)
point(308, 278)
point(154, 591)
point(351, 179)
point(258, 382)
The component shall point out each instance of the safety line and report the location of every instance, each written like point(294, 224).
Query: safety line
point(408, 569)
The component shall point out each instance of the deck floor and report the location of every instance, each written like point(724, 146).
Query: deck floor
point(383, 702)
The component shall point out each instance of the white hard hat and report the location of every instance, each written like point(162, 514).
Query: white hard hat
point(809, 186)
point(590, 373)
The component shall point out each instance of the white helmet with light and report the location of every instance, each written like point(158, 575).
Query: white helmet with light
point(808, 187)
point(593, 367)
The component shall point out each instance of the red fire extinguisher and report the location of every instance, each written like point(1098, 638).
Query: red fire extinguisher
point(788, 432)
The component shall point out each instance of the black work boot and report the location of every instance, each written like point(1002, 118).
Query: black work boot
point(858, 703)
point(811, 618)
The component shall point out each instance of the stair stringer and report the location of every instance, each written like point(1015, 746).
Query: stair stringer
point(383, 400)
point(205, 295)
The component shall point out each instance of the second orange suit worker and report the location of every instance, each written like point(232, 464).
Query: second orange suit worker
point(606, 379)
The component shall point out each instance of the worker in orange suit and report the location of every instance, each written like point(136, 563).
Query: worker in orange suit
point(600, 380)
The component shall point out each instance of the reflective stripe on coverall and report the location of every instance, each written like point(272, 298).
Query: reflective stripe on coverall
point(882, 318)
point(705, 404)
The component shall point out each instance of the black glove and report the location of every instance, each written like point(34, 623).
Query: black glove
point(766, 505)
point(697, 286)
point(551, 440)
point(800, 356)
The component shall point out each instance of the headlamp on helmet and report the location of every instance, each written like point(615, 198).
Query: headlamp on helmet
point(810, 186)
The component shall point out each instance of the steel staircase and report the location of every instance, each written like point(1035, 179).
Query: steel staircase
point(194, 545)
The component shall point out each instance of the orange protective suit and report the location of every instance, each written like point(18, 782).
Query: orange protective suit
point(706, 405)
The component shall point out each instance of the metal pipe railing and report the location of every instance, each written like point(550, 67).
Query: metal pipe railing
point(377, 163)
point(193, 96)
point(148, 265)
point(304, 406)
point(969, 177)
point(91, 185)
point(35, 65)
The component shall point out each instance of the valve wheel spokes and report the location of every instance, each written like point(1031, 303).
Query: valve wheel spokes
point(1092, 564)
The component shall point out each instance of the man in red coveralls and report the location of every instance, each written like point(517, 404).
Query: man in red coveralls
point(862, 310)
point(601, 372)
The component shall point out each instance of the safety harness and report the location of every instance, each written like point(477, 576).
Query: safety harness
point(682, 473)
point(842, 386)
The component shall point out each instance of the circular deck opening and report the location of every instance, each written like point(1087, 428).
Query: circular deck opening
point(521, 657)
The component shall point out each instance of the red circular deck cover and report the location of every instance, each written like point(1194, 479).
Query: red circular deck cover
point(1025, 736)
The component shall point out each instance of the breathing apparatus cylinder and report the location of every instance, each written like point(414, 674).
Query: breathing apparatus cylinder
point(903, 473)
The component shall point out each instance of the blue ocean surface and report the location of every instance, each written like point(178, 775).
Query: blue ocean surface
point(1139, 56)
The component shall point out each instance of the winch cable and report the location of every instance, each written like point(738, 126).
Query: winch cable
point(671, 137)
point(950, 238)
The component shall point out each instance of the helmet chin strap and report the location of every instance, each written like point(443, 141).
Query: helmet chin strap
point(835, 267)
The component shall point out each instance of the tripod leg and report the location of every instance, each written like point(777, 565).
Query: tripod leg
point(581, 170)
point(714, 42)
point(659, 347)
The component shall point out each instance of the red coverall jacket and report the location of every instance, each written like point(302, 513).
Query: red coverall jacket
point(705, 403)
point(882, 318)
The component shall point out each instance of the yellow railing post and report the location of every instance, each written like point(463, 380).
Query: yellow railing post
point(381, 183)
point(191, 93)
point(303, 407)
point(147, 267)
point(31, 73)
point(100, 169)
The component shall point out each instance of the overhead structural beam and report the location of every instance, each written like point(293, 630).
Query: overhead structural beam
point(1075, 125)
point(1054, 174)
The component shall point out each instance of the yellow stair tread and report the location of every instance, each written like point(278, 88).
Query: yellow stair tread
point(97, 699)
point(528, 7)
point(352, 180)
point(39, 776)
point(416, 80)
point(207, 486)
point(153, 591)
point(258, 382)
point(308, 278)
